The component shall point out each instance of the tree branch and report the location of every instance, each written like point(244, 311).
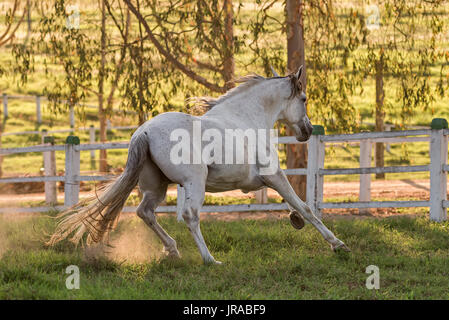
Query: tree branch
point(5, 34)
point(183, 68)
point(119, 69)
point(13, 13)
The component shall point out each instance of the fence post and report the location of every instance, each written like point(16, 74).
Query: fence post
point(44, 133)
point(438, 177)
point(38, 110)
point(315, 162)
point(72, 171)
point(72, 117)
point(5, 106)
point(387, 145)
point(180, 198)
point(261, 195)
point(365, 179)
point(92, 140)
point(51, 196)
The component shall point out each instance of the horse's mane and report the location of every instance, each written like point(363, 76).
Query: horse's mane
point(247, 82)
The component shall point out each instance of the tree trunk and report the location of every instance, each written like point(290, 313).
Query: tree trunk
point(228, 63)
point(103, 138)
point(380, 113)
point(28, 5)
point(142, 117)
point(140, 64)
point(101, 111)
point(296, 153)
point(2, 125)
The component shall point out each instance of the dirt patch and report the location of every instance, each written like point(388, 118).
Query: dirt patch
point(380, 188)
point(134, 234)
point(23, 231)
point(20, 188)
point(39, 187)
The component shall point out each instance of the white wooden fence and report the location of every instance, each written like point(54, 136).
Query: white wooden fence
point(38, 99)
point(315, 172)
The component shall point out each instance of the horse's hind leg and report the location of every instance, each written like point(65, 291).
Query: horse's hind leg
point(153, 185)
point(194, 197)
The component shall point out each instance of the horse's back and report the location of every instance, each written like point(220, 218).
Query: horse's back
point(163, 139)
point(160, 131)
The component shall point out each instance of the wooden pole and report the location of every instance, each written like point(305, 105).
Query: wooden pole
point(365, 179)
point(51, 195)
point(92, 152)
point(387, 145)
point(380, 113)
point(72, 171)
point(438, 177)
point(296, 153)
point(315, 162)
point(38, 110)
point(72, 117)
point(5, 106)
point(261, 195)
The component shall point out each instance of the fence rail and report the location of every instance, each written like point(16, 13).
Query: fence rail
point(315, 172)
point(38, 100)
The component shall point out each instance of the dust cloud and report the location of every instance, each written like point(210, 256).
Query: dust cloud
point(132, 242)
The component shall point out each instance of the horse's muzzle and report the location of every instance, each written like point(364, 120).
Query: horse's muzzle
point(306, 129)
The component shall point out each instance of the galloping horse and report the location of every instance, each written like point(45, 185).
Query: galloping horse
point(256, 104)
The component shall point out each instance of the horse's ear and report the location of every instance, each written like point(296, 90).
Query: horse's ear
point(299, 72)
point(298, 77)
point(274, 71)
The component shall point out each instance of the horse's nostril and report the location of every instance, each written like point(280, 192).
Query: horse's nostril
point(309, 129)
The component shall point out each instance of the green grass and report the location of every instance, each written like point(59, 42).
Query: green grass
point(263, 259)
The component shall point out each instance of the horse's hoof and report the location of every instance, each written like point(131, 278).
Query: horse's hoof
point(296, 220)
point(340, 247)
point(169, 253)
point(212, 262)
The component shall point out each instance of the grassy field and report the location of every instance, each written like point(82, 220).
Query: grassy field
point(263, 259)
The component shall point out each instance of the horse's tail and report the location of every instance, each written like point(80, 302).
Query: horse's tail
point(98, 215)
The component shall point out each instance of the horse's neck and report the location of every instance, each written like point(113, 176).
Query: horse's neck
point(261, 104)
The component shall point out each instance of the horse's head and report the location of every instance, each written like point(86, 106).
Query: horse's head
point(295, 112)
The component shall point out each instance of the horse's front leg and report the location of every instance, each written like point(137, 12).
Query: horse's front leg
point(279, 182)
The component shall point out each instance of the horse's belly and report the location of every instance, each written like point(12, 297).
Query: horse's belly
point(230, 177)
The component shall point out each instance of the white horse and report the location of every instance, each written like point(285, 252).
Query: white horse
point(258, 103)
